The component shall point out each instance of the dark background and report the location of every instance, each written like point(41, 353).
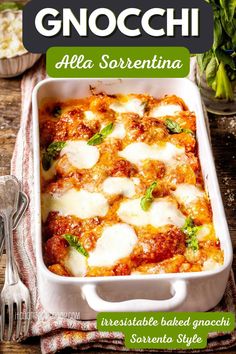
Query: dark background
point(37, 43)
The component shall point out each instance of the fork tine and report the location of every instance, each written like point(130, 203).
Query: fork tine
point(3, 316)
point(2, 243)
point(18, 319)
point(27, 317)
point(10, 321)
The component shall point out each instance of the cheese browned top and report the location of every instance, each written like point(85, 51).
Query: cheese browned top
point(122, 188)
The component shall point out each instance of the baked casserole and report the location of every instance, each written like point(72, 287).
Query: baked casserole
point(122, 189)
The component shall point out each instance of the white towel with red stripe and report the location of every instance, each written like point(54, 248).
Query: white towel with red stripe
point(58, 332)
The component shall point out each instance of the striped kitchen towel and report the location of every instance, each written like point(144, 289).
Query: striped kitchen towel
point(59, 332)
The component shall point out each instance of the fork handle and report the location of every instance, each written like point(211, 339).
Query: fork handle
point(11, 269)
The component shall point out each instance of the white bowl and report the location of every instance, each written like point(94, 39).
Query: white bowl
point(199, 291)
point(15, 66)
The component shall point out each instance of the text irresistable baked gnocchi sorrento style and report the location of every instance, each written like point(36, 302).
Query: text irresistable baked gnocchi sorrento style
point(122, 188)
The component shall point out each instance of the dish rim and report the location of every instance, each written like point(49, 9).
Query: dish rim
point(102, 279)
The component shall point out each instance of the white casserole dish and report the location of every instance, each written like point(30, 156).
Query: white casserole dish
point(198, 291)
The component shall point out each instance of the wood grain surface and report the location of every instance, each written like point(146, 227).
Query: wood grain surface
point(223, 135)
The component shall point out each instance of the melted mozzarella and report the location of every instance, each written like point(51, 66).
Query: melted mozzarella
point(116, 242)
point(76, 263)
point(119, 185)
point(133, 105)
point(118, 131)
point(210, 264)
point(80, 154)
point(138, 152)
point(204, 232)
point(165, 110)
point(89, 115)
point(136, 181)
point(162, 212)
point(187, 193)
point(81, 203)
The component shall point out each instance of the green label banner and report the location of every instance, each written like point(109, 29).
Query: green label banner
point(135, 62)
point(166, 330)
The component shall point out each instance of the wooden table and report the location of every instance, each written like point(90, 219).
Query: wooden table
point(223, 134)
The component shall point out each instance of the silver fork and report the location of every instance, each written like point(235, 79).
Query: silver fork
point(22, 207)
point(15, 296)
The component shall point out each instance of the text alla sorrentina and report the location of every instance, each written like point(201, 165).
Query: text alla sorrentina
point(106, 62)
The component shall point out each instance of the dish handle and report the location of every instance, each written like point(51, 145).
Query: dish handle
point(178, 289)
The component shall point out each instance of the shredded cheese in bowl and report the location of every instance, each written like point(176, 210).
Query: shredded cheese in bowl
point(11, 43)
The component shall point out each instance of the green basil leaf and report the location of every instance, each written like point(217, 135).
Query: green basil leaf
point(74, 242)
point(224, 87)
point(200, 63)
point(233, 39)
point(145, 106)
point(222, 56)
point(203, 60)
point(231, 74)
point(229, 27)
point(188, 223)
point(218, 34)
point(98, 138)
point(46, 162)
point(190, 230)
point(174, 127)
point(147, 200)
point(55, 147)
point(151, 189)
point(56, 112)
point(10, 6)
point(229, 7)
point(188, 131)
point(107, 130)
point(211, 71)
point(146, 203)
point(51, 153)
point(193, 243)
